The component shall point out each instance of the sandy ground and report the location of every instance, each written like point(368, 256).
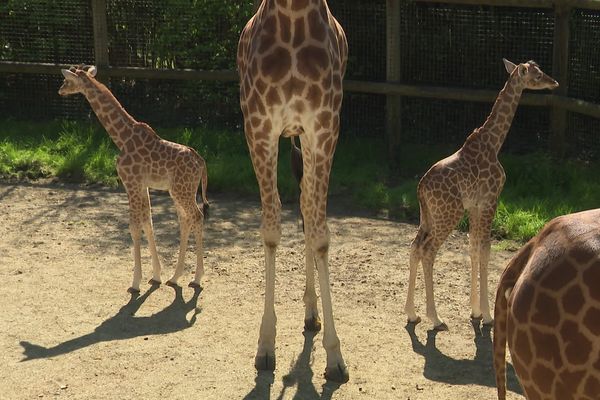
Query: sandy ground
point(69, 329)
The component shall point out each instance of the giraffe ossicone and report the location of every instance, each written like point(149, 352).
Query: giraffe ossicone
point(291, 59)
point(548, 311)
point(147, 161)
point(469, 180)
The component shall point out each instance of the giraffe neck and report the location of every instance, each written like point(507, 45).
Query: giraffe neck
point(109, 111)
point(496, 126)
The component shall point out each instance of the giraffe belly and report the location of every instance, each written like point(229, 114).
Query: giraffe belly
point(159, 183)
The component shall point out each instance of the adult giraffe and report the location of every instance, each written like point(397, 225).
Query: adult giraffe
point(548, 311)
point(291, 59)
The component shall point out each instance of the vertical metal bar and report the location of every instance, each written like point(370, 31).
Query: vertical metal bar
point(560, 72)
point(393, 74)
point(100, 35)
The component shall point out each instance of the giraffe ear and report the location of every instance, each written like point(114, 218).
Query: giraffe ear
point(92, 70)
point(68, 74)
point(510, 67)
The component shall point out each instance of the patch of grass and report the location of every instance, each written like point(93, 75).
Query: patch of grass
point(537, 188)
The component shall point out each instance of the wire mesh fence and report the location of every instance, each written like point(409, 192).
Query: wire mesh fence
point(363, 114)
point(463, 46)
point(440, 44)
point(583, 140)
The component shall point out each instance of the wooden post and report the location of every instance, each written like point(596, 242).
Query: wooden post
point(560, 72)
point(100, 36)
point(393, 121)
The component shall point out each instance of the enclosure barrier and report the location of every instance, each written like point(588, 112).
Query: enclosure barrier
point(394, 88)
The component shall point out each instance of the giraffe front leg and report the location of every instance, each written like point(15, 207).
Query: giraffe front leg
point(265, 355)
point(149, 231)
point(264, 160)
point(134, 195)
point(136, 235)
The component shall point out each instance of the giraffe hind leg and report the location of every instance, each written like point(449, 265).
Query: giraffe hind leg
point(188, 214)
point(444, 222)
point(198, 225)
point(317, 237)
point(312, 322)
point(416, 249)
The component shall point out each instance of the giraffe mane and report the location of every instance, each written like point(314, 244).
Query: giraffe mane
point(80, 67)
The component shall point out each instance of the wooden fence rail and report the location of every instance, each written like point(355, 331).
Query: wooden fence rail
point(393, 88)
point(352, 86)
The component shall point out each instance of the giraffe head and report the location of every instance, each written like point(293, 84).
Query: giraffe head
point(531, 75)
point(74, 81)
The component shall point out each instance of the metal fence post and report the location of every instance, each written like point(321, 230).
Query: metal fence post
point(100, 36)
point(560, 72)
point(393, 74)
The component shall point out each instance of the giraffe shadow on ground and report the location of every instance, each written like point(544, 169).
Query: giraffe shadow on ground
point(300, 376)
point(125, 325)
point(479, 371)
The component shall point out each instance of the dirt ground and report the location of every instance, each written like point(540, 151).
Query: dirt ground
point(69, 329)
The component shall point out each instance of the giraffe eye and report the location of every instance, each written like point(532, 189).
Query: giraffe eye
point(537, 78)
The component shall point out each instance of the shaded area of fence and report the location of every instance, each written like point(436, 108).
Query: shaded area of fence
point(436, 44)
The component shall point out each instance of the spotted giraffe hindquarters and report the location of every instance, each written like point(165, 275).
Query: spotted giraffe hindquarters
point(508, 280)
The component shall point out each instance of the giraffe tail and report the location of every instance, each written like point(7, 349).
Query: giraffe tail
point(297, 168)
point(296, 160)
point(507, 281)
point(204, 184)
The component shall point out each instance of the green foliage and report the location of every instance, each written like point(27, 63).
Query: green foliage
point(537, 189)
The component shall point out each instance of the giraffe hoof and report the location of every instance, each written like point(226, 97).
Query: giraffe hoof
point(265, 363)
point(477, 318)
point(312, 325)
point(441, 327)
point(194, 285)
point(339, 373)
point(488, 323)
point(415, 322)
point(172, 284)
point(133, 291)
point(154, 282)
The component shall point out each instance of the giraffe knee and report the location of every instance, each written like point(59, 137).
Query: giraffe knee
point(136, 232)
point(321, 245)
point(271, 237)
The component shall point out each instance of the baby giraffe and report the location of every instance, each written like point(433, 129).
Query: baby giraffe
point(147, 161)
point(470, 179)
